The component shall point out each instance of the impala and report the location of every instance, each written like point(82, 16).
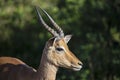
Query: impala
point(55, 54)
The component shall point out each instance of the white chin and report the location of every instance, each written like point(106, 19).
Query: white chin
point(77, 68)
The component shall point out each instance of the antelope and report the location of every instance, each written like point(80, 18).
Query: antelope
point(55, 54)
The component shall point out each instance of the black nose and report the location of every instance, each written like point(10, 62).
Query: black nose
point(80, 63)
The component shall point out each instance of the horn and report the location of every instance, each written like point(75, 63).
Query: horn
point(54, 33)
point(60, 31)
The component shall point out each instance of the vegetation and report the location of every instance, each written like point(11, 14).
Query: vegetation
point(95, 25)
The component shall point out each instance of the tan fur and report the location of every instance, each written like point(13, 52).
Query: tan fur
point(15, 69)
point(55, 54)
point(5, 60)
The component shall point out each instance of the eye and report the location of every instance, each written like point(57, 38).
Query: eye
point(59, 49)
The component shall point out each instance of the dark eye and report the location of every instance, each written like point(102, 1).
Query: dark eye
point(59, 49)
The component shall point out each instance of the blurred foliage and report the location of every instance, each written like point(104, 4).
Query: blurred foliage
point(95, 25)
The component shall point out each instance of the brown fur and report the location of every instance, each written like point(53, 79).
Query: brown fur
point(15, 69)
point(55, 54)
point(5, 60)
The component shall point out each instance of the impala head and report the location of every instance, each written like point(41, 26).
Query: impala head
point(58, 52)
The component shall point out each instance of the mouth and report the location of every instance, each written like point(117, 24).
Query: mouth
point(76, 68)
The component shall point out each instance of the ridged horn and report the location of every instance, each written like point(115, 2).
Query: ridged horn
point(60, 31)
point(54, 33)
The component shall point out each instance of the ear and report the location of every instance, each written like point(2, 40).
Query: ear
point(52, 41)
point(67, 38)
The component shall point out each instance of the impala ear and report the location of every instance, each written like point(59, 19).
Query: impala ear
point(52, 41)
point(67, 38)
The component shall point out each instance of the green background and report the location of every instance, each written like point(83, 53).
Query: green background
point(94, 24)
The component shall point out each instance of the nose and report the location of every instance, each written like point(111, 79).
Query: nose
point(80, 63)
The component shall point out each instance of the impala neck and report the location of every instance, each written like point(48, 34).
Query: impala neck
point(46, 71)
